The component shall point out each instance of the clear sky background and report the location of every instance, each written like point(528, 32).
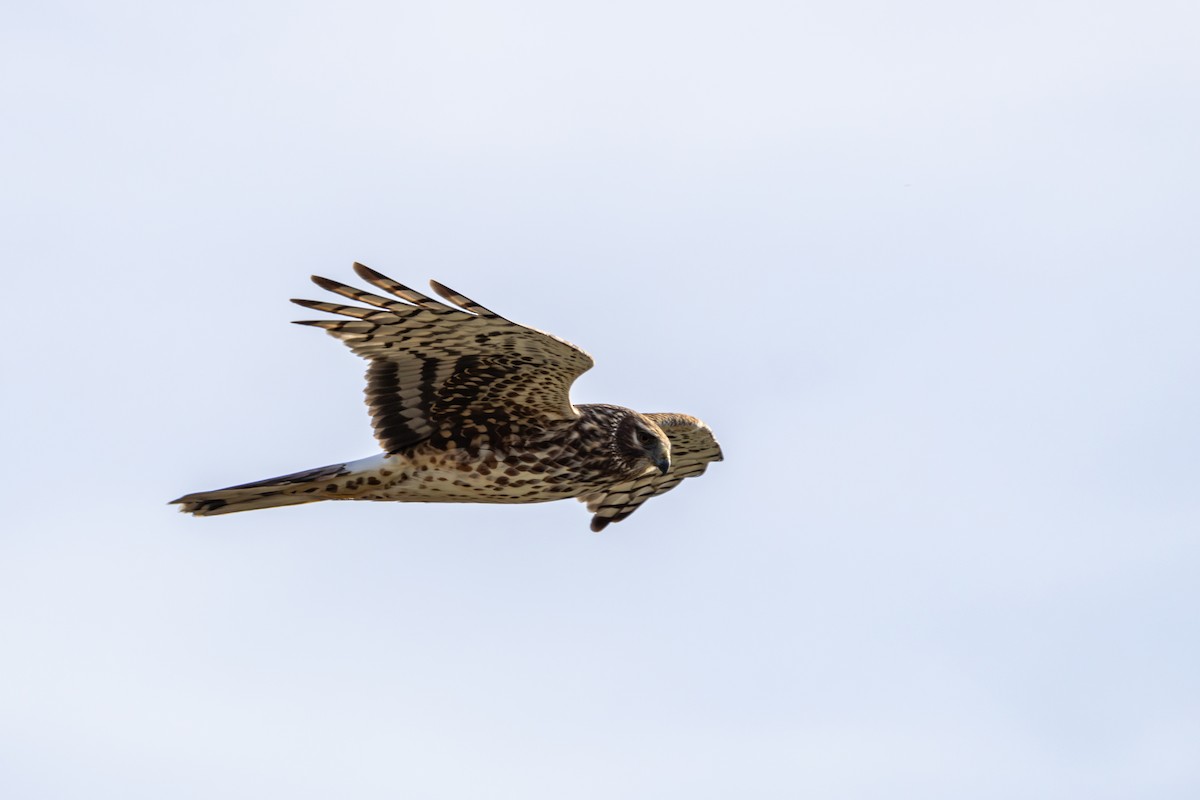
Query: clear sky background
point(929, 269)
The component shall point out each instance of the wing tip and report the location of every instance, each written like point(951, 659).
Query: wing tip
point(328, 284)
point(461, 300)
point(446, 293)
point(366, 273)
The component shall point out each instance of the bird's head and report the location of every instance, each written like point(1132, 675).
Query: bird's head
point(640, 442)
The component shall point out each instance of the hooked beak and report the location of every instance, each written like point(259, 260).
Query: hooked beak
point(659, 454)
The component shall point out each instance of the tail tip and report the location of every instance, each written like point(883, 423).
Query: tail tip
point(199, 508)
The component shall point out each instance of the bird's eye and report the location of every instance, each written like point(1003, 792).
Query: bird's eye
point(644, 438)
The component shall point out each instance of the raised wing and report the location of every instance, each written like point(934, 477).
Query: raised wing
point(458, 373)
point(692, 448)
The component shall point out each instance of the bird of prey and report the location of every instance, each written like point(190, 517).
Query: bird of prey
point(472, 408)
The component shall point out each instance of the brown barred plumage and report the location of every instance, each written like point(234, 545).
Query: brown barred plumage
point(470, 407)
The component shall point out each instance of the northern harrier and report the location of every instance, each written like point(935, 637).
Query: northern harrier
point(472, 408)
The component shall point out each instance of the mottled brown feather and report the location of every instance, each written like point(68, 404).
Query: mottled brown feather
point(440, 372)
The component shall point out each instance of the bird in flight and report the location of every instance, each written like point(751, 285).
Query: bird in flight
point(472, 408)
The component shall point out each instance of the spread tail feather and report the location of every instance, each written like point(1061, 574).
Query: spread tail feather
point(286, 490)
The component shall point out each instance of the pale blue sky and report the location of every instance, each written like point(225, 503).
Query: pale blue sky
point(929, 269)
